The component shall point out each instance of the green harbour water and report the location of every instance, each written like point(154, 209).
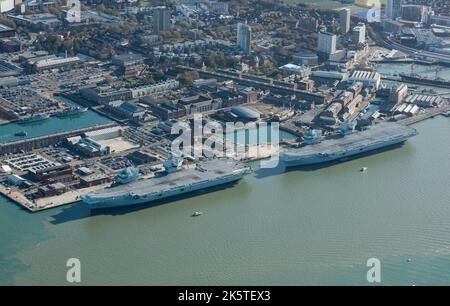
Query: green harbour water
point(271, 228)
point(51, 125)
point(299, 227)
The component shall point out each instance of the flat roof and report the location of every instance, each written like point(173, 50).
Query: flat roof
point(4, 28)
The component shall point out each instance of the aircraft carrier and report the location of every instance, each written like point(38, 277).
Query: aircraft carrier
point(375, 137)
point(172, 181)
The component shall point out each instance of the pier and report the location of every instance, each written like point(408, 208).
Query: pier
point(429, 114)
point(40, 204)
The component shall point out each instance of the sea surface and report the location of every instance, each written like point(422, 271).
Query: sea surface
point(301, 227)
point(272, 228)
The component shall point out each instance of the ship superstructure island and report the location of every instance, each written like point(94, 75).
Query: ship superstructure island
point(375, 137)
point(173, 180)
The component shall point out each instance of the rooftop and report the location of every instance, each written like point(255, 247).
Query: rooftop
point(4, 28)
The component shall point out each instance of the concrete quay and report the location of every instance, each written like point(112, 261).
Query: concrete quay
point(46, 140)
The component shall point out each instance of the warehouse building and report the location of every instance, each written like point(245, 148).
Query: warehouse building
point(125, 109)
point(367, 78)
point(52, 189)
point(57, 173)
point(104, 95)
point(36, 22)
point(104, 134)
point(6, 32)
point(56, 62)
point(125, 60)
point(95, 179)
point(425, 100)
point(159, 87)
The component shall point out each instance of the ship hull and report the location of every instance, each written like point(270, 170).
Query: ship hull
point(130, 200)
point(425, 81)
point(376, 138)
point(33, 120)
point(315, 160)
point(72, 113)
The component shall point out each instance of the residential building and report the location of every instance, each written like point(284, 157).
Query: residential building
point(327, 43)
point(244, 37)
point(359, 34)
point(344, 16)
point(161, 19)
point(393, 8)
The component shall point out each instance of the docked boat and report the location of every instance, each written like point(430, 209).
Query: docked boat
point(75, 110)
point(414, 78)
point(21, 134)
point(172, 181)
point(343, 148)
point(34, 118)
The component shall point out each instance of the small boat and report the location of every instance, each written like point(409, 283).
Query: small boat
point(197, 213)
point(446, 114)
point(21, 134)
point(363, 169)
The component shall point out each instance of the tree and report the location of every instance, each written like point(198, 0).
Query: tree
point(101, 8)
point(188, 78)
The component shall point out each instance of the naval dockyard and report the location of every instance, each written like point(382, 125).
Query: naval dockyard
point(335, 84)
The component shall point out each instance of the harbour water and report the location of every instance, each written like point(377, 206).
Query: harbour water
point(422, 70)
point(51, 125)
point(272, 228)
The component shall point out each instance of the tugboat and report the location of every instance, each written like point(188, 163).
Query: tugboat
point(34, 118)
point(21, 134)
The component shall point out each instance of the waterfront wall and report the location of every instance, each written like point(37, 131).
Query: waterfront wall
point(47, 140)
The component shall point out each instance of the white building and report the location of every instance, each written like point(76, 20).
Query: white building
point(302, 71)
point(244, 37)
point(6, 5)
point(327, 43)
point(160, 87)
point(393, 8)
point(73, 15)
point(344, 16)
point(359, 33)
point(368, 78)
point(105, 134)
point(161, 19)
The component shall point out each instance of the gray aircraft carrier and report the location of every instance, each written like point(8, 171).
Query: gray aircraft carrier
point(375, 137)
point(174, 180)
